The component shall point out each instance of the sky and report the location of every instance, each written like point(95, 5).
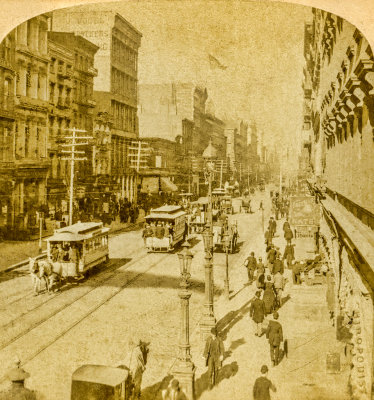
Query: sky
point(261, 44)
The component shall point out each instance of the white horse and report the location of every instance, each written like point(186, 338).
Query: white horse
point(42, 270)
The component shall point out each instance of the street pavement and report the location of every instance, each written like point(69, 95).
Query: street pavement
point(137, 297)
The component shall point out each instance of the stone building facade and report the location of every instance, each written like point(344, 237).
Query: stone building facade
point(7, 125)
point(30, 159)
point(72, 74)
point(338, 91)
point(116, 85)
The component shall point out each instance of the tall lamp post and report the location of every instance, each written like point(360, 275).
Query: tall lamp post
point(209, 320)
point(184, 369)
point(226, 243)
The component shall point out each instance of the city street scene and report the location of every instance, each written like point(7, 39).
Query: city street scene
point(186, 204)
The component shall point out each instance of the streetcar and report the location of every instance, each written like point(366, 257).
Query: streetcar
point(166, 226)
point(75, 249)
point(226, 205)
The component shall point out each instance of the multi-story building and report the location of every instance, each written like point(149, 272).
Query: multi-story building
point(60, 116)
point(338, 87)
point(236, 132)
point(28, 160)
point(176, 112)
point(71, 95)
point(115, 88)
point(7, 124)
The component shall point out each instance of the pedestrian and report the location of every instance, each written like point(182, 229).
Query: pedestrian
point(251, 264)
point(273, 225)
point(17, 376)
point(260, 266)
point(288, 235)
point(173, 392)
point(289, 254)
point(286, 225)
point(269, 296)
point(257, 312)
point(268, 238)
point(296, 272)
point(274, 333)
point(278, 265)
point(271, 256)
point(263, 385)
point(278, 287)
point(213, 354)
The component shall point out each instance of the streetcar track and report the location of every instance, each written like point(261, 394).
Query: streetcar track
point(39, 322)
point(111, 266)
point(111, 234)
point(101, 303)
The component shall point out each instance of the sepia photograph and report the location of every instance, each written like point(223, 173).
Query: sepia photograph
point(187, 200)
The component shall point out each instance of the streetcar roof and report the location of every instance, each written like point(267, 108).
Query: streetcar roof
point(185, 194)
point(166, 212)
point(77, 232)
point(102, 374)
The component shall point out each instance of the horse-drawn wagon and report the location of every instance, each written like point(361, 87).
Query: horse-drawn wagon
point(246, 205)
point(225, 234)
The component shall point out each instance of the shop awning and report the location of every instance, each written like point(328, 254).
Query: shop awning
point(150, 185)
point(167, 185)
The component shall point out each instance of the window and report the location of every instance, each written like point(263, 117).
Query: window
point(27, 138)
point(51, 92)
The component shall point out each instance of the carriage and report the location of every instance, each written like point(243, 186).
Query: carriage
point(226, 205)
point(97, 382)
point(246, 205)
point(75, 249)
point(219, 235)
point(168, 227)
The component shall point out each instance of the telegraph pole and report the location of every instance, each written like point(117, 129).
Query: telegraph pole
point(72, 152)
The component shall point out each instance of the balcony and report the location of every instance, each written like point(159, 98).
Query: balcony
point(33, 104)
point(6, 64)
point(92, 71)
point(91, 103)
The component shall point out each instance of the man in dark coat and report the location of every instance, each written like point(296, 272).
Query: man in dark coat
point(268, 238)
point(288, 235)
point(274, 333)
point(257, 312)
point(286, 225)
point(278, 265)
point(263, 385)
point(297, 267)
point(251, 265)
point(271, 256)
point(17, 376)
point(213, 354)
point(289, 254)
point(273, 226)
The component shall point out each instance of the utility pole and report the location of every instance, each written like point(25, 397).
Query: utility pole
point(72, 152)
point(221, 173)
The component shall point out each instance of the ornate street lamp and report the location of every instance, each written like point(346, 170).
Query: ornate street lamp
point(226, 243)
point(209, 320)
point(184, 369)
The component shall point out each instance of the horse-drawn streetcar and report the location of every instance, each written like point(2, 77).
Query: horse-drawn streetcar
point(77, 248)
point(166, 226)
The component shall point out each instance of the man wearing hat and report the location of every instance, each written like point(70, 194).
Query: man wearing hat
point(173, 392)
point(213, 354)
point(263, 385)
point(257, 312)
point(274, 333)
point(17, 376)
point(251, 264)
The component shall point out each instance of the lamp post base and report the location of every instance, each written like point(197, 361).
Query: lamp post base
point(206, 325)
point(184, 371)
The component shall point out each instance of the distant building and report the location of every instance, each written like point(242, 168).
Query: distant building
point(115, 87)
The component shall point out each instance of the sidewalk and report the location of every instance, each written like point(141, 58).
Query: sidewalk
point(306, 326)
